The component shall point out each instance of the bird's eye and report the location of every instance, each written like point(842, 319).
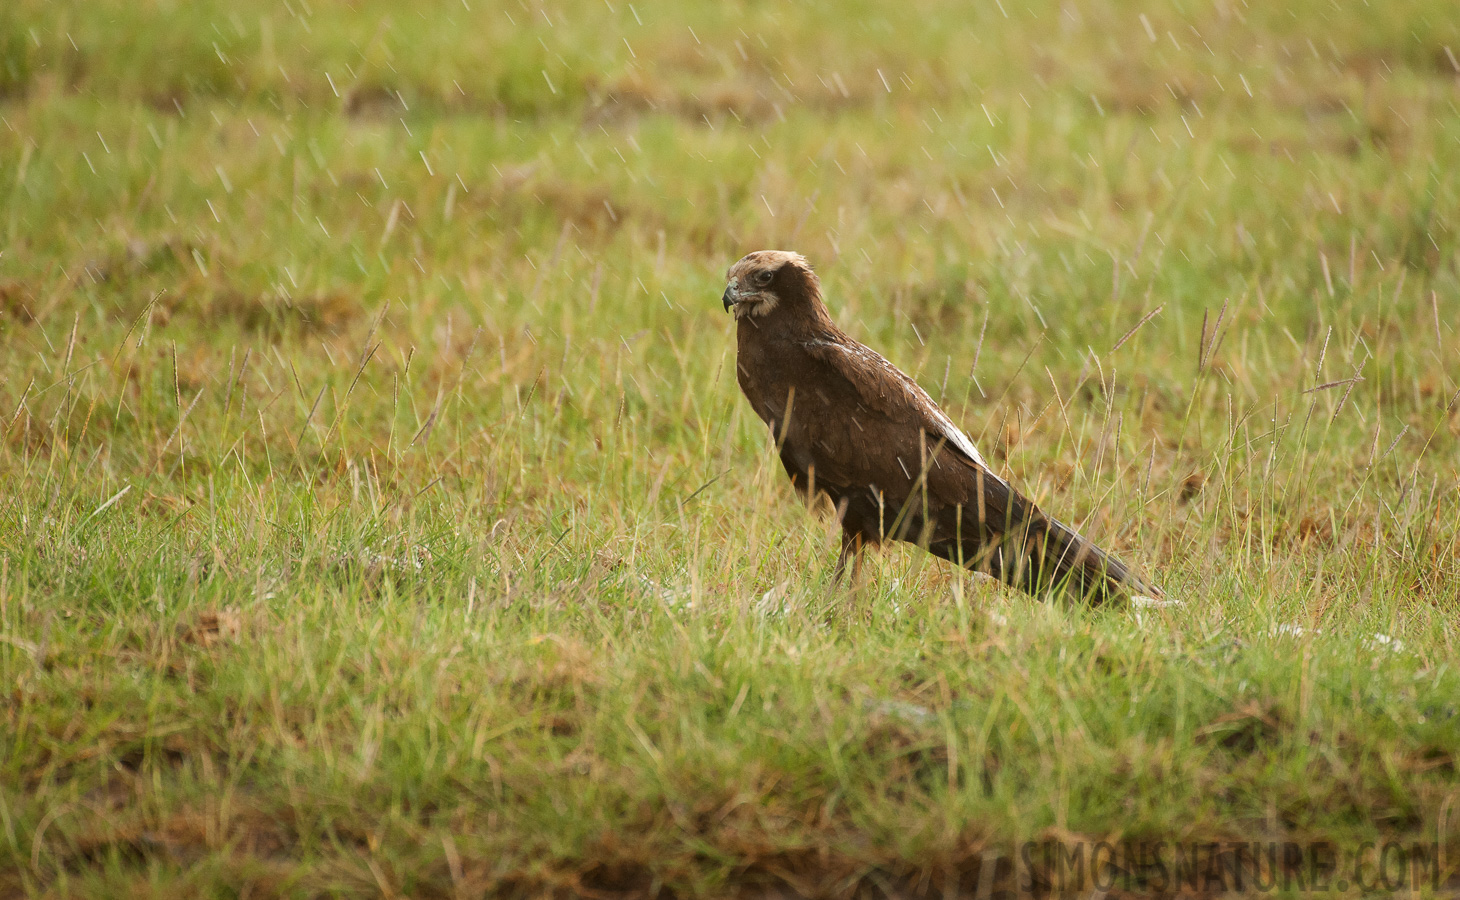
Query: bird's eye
point(763, 278)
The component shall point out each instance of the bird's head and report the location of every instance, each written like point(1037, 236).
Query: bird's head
point(767, 280)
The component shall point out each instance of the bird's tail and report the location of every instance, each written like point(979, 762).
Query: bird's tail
point(1049, 555)
point(1041, 555)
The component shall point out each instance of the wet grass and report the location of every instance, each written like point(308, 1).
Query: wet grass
point(380, 514)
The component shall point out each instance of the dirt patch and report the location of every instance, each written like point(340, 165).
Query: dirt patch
point(17, 301)
point(1244, 729)
point(212, 627)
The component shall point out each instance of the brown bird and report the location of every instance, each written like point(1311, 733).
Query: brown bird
point(850, 425)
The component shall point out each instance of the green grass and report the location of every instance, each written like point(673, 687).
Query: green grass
point(379, 514)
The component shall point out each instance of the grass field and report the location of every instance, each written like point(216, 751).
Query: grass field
point(379, 514)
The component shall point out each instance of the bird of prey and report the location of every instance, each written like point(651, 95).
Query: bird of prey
point(850, 425)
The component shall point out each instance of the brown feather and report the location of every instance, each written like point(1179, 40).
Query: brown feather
point(850, 425)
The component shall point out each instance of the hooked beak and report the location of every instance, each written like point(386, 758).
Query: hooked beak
point(731, 297)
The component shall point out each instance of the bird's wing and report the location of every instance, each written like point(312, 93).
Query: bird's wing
point(1046, 551)
point(884, 388)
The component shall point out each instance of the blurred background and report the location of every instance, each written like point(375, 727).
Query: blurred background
point(996, 195)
